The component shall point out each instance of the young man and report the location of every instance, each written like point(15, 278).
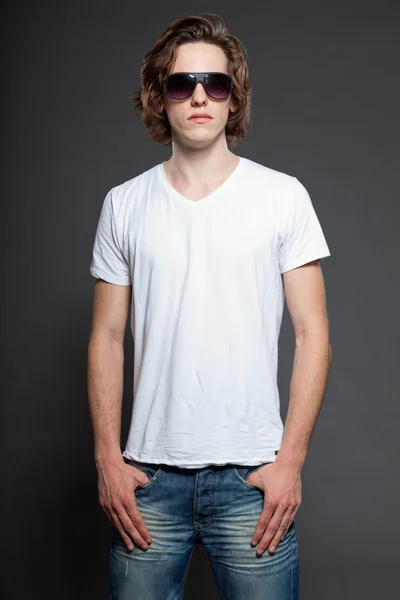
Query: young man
point(204, 248)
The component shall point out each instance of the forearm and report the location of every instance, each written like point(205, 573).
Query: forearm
point(311, 365)
point(105, 390)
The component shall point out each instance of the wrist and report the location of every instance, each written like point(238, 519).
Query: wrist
point(290, 459)
point(105, 454)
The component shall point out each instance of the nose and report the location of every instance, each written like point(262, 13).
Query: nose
point(199, 94)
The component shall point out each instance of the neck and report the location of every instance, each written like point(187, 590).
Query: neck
point(191, 165)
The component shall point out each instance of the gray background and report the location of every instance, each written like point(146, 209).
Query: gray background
point(325, 80)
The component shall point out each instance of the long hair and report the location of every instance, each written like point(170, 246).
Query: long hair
point(157, 63)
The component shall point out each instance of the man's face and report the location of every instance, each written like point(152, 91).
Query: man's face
point(198, 57)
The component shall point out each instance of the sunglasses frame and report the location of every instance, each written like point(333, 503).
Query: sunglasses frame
point(199, 77)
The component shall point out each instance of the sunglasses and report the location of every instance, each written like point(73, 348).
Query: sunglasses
point(180, 86)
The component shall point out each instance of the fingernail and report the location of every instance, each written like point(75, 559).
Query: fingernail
point(145, 546)
point(273, 548)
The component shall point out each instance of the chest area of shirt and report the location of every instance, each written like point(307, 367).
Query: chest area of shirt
point(233, 235)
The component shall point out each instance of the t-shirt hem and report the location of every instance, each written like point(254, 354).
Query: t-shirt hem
point(110, 278)
point(200, 464)
point(298, 262)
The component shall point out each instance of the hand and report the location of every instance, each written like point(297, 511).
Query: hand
point(281, 484)
point(117, 482)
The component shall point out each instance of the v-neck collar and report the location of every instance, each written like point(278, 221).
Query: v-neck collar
point(206, 199)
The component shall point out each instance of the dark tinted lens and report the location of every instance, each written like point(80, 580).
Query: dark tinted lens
point(180, 86)
point(218, 85)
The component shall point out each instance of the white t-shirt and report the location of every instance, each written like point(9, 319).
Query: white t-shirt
point(207, 307)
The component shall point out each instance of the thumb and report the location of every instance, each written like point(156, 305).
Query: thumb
point(140, 477)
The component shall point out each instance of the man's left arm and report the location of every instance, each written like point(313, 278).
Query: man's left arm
point(280, 481)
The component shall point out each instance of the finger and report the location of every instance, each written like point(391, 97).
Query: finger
point(271, 530)
point(285, 524)
point(263, 520)
point(136, 519)
point(129, 525)
point(290, 522)
point(287, 527)
point(119, 528)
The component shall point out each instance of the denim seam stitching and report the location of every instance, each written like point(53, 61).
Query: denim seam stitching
point(195, 525)
point(198, 525)
point(110, 595)
point(291, 565)
point(188, 565)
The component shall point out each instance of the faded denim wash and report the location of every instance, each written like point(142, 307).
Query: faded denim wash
point(214, 506)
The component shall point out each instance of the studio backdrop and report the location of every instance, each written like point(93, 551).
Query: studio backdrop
point(325, 105)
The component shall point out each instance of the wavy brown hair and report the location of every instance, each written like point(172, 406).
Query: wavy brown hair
point(158, 62)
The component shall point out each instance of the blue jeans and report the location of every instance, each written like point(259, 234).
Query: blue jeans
point(214, 506)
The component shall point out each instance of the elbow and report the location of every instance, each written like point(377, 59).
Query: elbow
point(315, 337)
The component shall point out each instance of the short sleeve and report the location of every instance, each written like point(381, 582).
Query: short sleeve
point(108, 260)
point(302, 239)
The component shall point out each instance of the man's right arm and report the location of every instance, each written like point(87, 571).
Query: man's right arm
point(117, 480)
point(105, 367)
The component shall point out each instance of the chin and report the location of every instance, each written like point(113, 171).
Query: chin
point(203, 141)
point(199, 136)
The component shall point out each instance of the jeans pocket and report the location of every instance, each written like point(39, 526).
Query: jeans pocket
point(243, 472)
point(152, 471)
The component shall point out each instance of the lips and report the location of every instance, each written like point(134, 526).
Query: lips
point(201, 116)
